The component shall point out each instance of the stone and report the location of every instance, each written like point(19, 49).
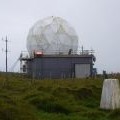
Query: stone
point(110, 98)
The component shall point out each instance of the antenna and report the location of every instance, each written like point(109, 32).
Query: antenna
point(6, 41)
point(82, 50)
point(6, 55)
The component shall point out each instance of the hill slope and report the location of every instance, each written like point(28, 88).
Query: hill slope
point(72, 99)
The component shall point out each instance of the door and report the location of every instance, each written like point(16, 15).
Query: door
point(82, 70)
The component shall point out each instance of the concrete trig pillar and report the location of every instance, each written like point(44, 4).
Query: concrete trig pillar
point(110, 98)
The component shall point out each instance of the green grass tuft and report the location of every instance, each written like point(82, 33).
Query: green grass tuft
point(70, 99)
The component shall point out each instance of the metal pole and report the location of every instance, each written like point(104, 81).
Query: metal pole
point(82, 49)
point(6, 60)
point(6, 54)
point(6, 51)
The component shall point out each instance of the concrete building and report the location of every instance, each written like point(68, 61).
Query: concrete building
point(59, 66)
point(53, 45)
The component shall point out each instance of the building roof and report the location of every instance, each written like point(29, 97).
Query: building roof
point(58, 56)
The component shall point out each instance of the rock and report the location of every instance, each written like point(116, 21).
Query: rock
point(110, 98)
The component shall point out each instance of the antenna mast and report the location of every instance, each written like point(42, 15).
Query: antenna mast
point(6, 51)
point(6, 54)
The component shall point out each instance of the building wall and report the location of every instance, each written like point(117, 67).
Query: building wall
point(56, 67)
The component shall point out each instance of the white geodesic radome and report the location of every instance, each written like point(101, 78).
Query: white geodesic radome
point(52, 35)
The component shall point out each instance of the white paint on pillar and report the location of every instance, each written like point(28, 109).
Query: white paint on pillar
point(110, 98)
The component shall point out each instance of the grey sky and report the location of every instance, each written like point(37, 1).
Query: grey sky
point(97, 23)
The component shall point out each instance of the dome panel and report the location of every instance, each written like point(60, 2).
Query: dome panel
point(52, 35)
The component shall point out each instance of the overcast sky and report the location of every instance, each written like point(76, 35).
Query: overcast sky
point(97, 23)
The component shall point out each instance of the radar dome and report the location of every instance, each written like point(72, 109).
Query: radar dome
point(52, 35)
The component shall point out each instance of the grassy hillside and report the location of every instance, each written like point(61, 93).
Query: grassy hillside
point(70, 99)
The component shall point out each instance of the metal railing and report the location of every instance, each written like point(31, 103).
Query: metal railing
point(27, 55)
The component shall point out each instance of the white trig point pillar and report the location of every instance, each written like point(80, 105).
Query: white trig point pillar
point(110, 98)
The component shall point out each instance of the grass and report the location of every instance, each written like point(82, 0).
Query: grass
point(69, 99)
